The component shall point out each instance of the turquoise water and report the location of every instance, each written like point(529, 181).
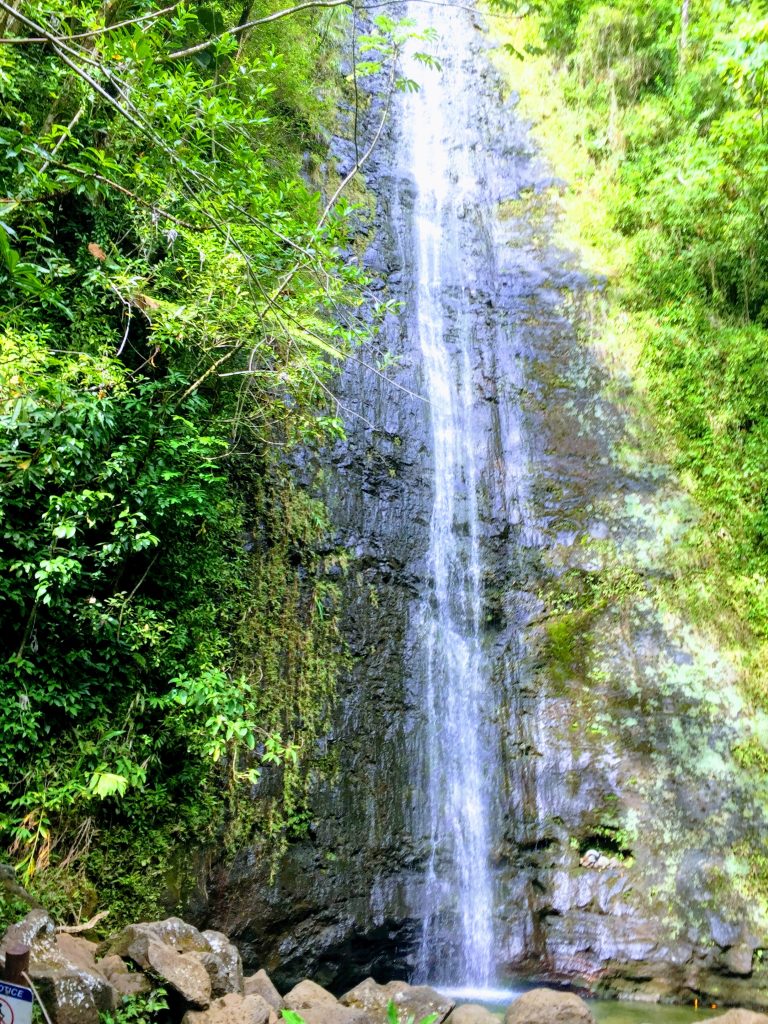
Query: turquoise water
point(611, 1011)
point(606, 1011)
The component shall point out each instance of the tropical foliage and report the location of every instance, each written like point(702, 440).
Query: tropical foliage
point(668, 107)
point(177, 289)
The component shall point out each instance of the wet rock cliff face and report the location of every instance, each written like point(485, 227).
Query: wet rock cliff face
point(622, 825)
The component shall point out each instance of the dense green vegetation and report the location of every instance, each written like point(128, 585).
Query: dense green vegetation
point(659, 120)
point(175, 296)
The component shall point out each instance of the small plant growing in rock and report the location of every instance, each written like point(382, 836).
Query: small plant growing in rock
point(393, 1016)
point(291, 1017)
point(142, 1009)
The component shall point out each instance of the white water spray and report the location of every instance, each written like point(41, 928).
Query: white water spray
point(457, 941)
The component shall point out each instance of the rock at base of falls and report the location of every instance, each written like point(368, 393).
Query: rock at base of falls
point(184, 972)
point(233, 1009)
point(307, 994)
point(317, 1006)
point(544, 1006)
point(471, 1013)
point(260, 984)
point(123, 980)
point(79, 981)
point(63, 970)
point(417, 1001)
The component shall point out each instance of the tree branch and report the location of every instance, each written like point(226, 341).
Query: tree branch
point(236, 29)
point(94, 32)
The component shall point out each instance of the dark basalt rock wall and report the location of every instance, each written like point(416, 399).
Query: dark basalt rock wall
point(624, 825)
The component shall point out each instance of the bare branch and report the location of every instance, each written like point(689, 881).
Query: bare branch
point(75, 929)
point(65, 135)
point(124, 24)
point(236, 29)
point(14, 40)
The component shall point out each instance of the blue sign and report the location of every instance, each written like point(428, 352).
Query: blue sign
point(15, 1004)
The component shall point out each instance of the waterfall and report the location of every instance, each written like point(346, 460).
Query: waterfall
point(456, 766)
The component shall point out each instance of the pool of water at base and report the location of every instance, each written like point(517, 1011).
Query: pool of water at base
point(605, 1011)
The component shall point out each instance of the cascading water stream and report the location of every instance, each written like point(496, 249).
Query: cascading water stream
point(456, 770)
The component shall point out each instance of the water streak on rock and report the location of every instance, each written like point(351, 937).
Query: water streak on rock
point(456, 767)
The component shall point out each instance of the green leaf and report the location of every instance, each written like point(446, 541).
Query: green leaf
point(107, 784)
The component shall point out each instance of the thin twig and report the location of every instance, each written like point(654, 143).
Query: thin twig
point(119, 188)
point(133, 593)
point(126, 333)
point(271, 300)
point(65, 135)
point(124, 24)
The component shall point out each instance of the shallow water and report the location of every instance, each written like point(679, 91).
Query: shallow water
point(606, 1011)
point(611, 1011)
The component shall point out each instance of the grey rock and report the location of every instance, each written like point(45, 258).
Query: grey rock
point(308, 993)
point(10, 885)
point(233, 1009)
point(589, 859)
point(133, 941)
point(125, 981)
point(417, 1001)
point(36, 930)
point(221, 982)
point(223, 964)
point(182, 971)
point(738, 959)
point(72, 995)
point(597, 860)
point(63, 969)
point(471, 1013)
point(327, 1013)
point(261, 984)
point(545, 1006)
point(77, 950)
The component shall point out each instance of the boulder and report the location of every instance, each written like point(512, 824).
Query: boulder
point(233, 1009)
point(77, 950)
point(545, 1006)
point(63, 970)
point(471, 1013)
point(417, 1001)
point(738, 1017)
point(182, 971)
point(221, 982)
point(133, 941)
point(72, 995)
point(130, 944)
point(260, 984)
point(36, 930)
point(306, 994)
point(738, 959)
point(334, 1013)
point(212, 951)
point(125, 981)
point(223, 963)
